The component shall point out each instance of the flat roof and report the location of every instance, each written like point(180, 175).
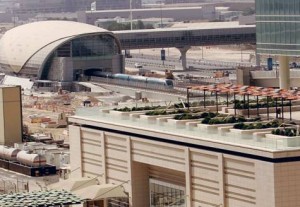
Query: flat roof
point(149, 9)
point(191, 27)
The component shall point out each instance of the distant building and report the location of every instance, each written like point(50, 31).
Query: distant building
point(205, 12)
point(39, 6)
point(117, 4)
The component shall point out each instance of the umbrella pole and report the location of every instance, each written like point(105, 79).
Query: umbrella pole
point(234, 104)
point(217, 102)
point(268, 107)
point(188, 98)
point(257, 109)
point(276, 106)
point(204, 104)
point(227, 98)
point(248, 105)
point(290, 110)
point(282, 108)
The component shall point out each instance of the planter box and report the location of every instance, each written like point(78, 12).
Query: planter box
point(249, 132)
point(223, 131)
point(182, 123)
point(284, 141)
point(212, 128)
point(260, 136)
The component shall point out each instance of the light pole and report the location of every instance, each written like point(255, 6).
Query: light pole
point(130, 2)
point(161, 22)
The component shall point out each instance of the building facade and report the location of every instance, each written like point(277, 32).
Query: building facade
point(11, 123)
point(118, 4)
point(41, 6)
point(205, 12)
point(164, 162)
point(277, 24)
point(59, 51)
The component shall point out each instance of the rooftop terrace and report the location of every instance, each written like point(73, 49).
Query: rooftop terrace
point(249, 118)
point(194, 128)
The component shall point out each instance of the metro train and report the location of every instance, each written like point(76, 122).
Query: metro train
point(21, 156)
point(143, 81)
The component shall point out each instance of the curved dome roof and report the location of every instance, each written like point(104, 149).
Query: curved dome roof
point(19, 44)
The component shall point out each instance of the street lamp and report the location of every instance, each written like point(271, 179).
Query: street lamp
point(130, 2)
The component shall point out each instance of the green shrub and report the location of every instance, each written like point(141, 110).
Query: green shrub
point(239, 125)
point(289, 132)
point(126, 109)
point(259, 126)
point(205, 120)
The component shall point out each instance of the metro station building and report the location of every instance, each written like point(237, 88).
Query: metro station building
point(277, 24)
point(59, 51)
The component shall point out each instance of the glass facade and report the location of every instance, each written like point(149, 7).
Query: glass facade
point(165, 194)
point(91, 46)
point(278, 27)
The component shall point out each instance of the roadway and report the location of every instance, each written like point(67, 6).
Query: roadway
point(153, 62)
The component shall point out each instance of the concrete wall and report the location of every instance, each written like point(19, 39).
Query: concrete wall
point(62, 68)
point(243, 76)
point(287, 184)
point(210, 178)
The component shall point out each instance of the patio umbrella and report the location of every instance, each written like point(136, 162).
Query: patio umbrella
point(97, 192)
point(73, 184)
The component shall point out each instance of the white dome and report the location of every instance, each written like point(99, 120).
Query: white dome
point(20, 44)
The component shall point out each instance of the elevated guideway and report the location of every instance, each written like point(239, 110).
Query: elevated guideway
point(221, 33)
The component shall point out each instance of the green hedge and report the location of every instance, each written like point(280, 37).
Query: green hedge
point(227, 120)
point(186, 116)
point(127, 109)
point(259, 125)
point(252, 104)
point(289, 132)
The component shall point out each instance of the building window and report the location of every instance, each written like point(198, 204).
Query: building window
point(166, 194)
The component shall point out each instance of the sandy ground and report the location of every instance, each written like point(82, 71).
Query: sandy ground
point(220, 53)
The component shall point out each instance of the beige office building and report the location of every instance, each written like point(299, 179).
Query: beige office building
point(164, 162)
point(10, 115)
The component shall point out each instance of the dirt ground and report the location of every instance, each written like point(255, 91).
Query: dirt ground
point(229, 53)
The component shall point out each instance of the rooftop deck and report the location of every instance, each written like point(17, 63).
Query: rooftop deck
point(191, 130)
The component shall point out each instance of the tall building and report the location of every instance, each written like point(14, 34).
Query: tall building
point(277, 24)
point(10, 115)
point(161, 161)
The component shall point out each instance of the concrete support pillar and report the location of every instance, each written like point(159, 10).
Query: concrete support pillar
point(183, 51)
point(257, 59)
point(284, 73)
